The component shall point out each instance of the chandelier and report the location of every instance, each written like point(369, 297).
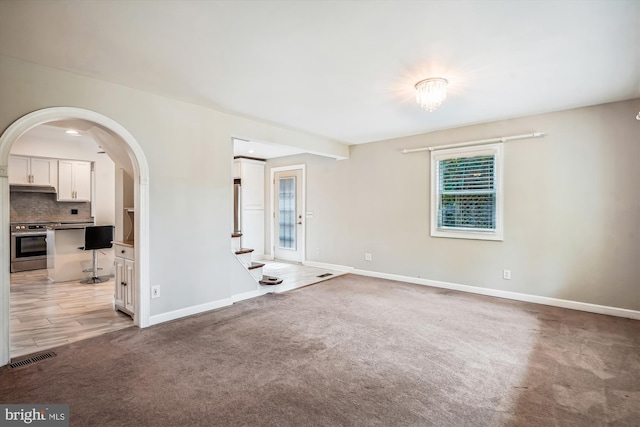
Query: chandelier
point(431, 92)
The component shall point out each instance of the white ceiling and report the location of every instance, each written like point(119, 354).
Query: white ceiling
point(57, 131)
point(344, 69)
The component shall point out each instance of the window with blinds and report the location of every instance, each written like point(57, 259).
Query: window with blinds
point(466, 198)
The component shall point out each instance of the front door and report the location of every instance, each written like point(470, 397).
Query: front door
point(288, 227)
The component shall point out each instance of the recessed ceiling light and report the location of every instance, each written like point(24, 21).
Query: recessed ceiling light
point(72, 132)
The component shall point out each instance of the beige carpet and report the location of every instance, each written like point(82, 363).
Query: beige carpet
point(352, 351)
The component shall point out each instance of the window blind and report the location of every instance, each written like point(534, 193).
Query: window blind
point(467, 193)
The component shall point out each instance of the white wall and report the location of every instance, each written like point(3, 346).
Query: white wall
point(572, 208)
point(189, 152)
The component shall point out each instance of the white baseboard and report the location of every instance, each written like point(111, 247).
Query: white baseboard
point(335, 267)
point(268, 257)
point(555, 302)
point(247, 295)
point(189, 311)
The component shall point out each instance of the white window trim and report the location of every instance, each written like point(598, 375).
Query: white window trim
point(478, 150)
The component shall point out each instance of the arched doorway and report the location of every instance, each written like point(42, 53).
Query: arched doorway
point(141, 196)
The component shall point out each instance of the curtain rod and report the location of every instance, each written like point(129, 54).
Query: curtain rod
point(482, 141)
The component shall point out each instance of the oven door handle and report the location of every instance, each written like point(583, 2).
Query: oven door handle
point(28, 233)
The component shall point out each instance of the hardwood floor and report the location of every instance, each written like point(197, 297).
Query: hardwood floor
point(45, 315)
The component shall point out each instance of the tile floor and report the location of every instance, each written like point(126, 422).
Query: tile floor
point(45, 315)
point(295, 275)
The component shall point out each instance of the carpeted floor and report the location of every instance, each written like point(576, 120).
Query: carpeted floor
point(352, 351)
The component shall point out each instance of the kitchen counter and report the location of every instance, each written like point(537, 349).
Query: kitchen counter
point(70, 226)
point(65, 261)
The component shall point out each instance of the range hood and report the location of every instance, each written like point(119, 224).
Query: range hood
point(32, 189)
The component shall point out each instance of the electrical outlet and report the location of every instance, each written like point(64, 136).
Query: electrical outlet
point(367, 257)
point(506, 274)
point(155, 292)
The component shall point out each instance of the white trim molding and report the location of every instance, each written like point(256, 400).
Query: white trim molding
point(247, 295)
point(141, 190)
point(555, 302)
point(327, 266)
point(189, 311)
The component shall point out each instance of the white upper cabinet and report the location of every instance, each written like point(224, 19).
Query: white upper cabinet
point(252, 175)
point(32, 171)
point(74, 181)
point(19, 170)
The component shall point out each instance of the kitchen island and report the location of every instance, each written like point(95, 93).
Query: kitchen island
point(65, 261)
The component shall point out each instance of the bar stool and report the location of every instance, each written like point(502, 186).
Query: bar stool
point(96, 237)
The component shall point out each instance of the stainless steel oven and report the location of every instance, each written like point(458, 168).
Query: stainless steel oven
point(28, 247)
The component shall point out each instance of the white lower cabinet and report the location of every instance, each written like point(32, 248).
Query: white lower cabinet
point(125, 279)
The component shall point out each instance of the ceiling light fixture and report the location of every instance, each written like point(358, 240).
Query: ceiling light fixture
point(431, 92)
point(72, 132)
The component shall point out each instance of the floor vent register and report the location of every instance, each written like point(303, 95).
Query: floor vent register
point(31, 359)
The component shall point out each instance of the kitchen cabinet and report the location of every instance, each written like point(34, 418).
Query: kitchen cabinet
point(32, 171)
point(125, 277)
point(252, 181)
point(74, 181)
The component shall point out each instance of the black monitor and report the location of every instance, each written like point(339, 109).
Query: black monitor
point(98, 237)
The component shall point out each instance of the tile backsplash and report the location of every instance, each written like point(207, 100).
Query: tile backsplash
point(43, 207)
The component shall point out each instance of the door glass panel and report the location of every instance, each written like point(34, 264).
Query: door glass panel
point(287, 213)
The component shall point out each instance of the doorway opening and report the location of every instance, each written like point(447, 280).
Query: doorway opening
point(115, 139)
point(63, 186)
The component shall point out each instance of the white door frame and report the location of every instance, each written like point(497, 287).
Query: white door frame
point(141, 198)
point(272, 210)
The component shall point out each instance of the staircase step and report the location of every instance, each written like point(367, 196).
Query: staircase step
point(270, 280)
point(244, 251)
point(255, 265)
